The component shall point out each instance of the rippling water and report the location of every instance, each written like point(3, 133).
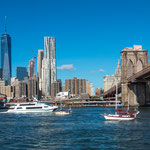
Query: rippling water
point(85, 129)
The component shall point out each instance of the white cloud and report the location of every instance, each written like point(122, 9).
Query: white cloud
point(66, 67)
point(101, 70)
point(95, 71)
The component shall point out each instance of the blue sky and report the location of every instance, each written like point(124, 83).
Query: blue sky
point(89, 33)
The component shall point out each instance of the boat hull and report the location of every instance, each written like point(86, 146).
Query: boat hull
point(26, 111)
point(118, 117)
point(62, 113)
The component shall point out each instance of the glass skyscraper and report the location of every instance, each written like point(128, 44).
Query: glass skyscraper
point(21, 73)
point(48, 65)
point(6, 58)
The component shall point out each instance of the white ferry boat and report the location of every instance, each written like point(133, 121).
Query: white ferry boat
point(31, 107)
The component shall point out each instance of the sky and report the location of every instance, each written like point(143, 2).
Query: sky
point(89, 33)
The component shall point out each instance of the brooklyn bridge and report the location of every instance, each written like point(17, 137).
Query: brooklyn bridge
point(134, 83)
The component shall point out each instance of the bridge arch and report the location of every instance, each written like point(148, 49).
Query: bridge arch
point(130, 68)
point(139, 65)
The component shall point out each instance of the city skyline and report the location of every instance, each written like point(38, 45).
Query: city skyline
point(90, 34)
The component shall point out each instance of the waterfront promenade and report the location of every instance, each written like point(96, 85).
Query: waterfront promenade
point(83, 102)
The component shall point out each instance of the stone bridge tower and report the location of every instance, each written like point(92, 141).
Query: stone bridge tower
point(133, 60)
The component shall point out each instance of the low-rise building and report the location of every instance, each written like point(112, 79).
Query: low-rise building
point(8, 90)
point(99, 92)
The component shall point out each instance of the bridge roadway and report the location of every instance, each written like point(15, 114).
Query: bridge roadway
point(141, 76)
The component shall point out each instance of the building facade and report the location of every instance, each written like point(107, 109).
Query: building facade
point(75, 86)
point(31, 69)
point(40, 58)
point(39, 66)
point(2, 82)
point(21, 73)
point(21, 89)
point(89, 88)
point(99, 92)
point(8, 90)
point(33, 88)
point(110, 81)
point(6, 58)
point(48, 65)
point(63, 87)
point(55, 88)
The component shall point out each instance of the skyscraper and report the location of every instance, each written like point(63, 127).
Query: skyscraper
point(6, 57)
point(48, 65)
point(31, 68)
point(40, 58)
point(21, 73)
point(39, 65)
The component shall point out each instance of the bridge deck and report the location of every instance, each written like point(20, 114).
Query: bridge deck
point(141, 76)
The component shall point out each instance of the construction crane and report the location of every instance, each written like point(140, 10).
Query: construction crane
point(34, 61)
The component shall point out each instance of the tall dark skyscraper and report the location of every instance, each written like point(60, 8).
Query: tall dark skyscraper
point(6, 57)
point(21, 73)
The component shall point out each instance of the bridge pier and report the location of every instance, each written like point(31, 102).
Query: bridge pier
point(133, 60)
point(138, 94)
point(129, 92)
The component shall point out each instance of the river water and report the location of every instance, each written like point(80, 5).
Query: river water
point(84, 129)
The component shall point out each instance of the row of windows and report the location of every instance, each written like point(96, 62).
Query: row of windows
point(33, 107)
point(26, 104)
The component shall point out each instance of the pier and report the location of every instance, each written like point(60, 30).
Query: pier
point(83, 103)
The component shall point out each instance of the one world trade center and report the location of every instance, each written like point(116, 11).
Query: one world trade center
point(6, 57)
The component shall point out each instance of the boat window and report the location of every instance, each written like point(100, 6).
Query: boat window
point(33, 107)
point(45, 106)
point(19, 107)
point(26, 104)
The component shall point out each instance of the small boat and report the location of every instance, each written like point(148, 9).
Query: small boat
point(63, 112)
point(121, 115)
point(31, 107)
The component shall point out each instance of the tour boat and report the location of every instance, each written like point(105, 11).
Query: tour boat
point(31, 107)
point(121, 115)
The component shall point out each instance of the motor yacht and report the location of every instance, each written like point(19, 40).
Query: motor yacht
point(31, 107)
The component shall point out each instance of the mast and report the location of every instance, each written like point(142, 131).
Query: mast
point(116, 95)
point(128, 101)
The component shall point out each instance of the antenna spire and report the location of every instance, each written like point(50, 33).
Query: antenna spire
point(5, 24)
